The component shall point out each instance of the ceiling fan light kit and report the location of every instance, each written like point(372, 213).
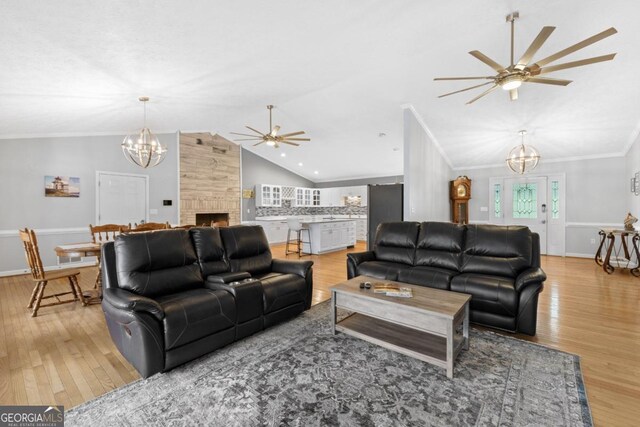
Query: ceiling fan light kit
point(525, 70)
point(143, 148)
point(523, 158)
point(272, 138)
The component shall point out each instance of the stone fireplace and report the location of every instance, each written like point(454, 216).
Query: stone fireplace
point(209, 179)
point(218, 219)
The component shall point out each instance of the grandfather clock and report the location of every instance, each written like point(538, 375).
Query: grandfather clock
point(460, 193)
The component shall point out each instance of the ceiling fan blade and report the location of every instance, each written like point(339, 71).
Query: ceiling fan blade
point(248, 139)
point(296, 139)
point(490, 62)
point(486, 92)
point(464, 90)
point(584, 43)
point(548, 81)
point(274, 130)
point(256, 131)
point(290, 143)
point(465, 78)
point(513, 94)
point(243, 134)
point(285, 135)
point(573, 64)
point(261, 142)
point(536, 44)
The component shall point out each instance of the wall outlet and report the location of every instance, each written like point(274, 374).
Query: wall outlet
point(153, 211)
point(593, 241)
point(484, 209)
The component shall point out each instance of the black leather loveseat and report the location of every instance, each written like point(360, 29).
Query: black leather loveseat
point(171, 296)
point(499, 266)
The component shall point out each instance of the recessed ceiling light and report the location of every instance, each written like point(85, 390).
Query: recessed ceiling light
point(300, 164)
point(316, 172)
point(283, 154)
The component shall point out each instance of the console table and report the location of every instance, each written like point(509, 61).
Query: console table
point(618, 247)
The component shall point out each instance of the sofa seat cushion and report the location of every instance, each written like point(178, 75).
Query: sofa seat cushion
point(381, 269)
point(194, 314)
point(491, 294)
point(282, 290)
point(431, 277)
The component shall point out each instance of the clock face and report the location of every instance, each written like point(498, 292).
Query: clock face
point(461, 190)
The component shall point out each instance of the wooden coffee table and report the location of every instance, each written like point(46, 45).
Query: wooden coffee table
point(433, 326)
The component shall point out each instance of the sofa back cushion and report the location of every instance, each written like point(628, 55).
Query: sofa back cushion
point(157, 263)
point(247, 248)
point(440, 245)
point(209, 250)
point(396, 242)
point(497, 250)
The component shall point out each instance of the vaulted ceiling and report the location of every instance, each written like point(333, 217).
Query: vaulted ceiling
point(339, 70)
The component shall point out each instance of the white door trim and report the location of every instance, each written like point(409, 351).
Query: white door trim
point(137, 175)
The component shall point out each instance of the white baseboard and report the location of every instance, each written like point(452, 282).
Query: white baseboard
point(50, 268)
point(578, 255)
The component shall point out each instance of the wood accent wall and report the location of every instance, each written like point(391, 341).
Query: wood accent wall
point(209, 177)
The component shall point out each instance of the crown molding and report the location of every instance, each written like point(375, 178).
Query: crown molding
point(426, 129)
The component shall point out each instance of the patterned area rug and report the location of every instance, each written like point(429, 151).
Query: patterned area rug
point(298, 373)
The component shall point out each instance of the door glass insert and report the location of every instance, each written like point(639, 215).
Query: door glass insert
point(555, 200)
point(525, 201)
point(497, 201)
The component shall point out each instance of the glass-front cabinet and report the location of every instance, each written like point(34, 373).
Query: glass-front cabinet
point(269, 195)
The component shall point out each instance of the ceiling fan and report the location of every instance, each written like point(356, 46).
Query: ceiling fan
point(524, 71)
point(272, 138)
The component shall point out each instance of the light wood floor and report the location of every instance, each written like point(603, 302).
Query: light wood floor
point(65, 355)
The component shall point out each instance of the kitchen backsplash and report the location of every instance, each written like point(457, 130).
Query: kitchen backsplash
point(287, 210)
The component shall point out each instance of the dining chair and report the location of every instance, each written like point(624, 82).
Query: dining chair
point(183, 227)
point(107, 232)
point(150, 226)
point(42, 278)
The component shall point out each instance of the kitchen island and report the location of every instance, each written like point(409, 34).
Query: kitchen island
point(328, 235)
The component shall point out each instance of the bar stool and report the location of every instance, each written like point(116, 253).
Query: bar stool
point(296, 226)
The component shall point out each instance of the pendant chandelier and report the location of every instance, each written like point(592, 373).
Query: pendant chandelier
point(143, 148)
point(523, 158)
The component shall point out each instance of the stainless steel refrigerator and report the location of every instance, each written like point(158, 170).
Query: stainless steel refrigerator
point(385, 204)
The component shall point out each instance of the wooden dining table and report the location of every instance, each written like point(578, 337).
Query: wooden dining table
point(87, 249)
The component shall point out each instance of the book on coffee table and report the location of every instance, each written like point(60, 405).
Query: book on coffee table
point(392, 290)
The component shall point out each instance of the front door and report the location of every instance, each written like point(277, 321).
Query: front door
point(525, 203)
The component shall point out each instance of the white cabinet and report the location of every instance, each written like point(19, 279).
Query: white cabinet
point(276, 231)
point(307, 197)
point(268, 195)
point(331, 197)
point(361, 229)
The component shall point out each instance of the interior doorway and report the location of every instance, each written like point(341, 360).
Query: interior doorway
point(121, 198)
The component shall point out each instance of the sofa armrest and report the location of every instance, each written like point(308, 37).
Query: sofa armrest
point(228, 277)
point(360, 257)
point(354, 259)
point(128, 301)
point(529, 276)
point(285, 266)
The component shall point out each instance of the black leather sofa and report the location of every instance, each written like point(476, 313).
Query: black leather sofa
point(499, 266)
point(171, 296)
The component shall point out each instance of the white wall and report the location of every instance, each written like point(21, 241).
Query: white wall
point(25, 162)
point(632, 166)
point(426, 173)
point(596, 195)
